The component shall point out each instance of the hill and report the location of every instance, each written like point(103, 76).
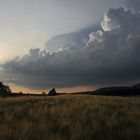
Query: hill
point(115, 91)
point(118, 91)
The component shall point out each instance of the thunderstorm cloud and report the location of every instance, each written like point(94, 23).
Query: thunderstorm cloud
point(107, 56)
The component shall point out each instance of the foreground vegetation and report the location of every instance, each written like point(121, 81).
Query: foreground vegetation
point(70, 117)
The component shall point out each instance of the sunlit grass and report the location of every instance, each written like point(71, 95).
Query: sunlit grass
point(70, 117)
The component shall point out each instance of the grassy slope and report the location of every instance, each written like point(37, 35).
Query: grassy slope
point(74, 117)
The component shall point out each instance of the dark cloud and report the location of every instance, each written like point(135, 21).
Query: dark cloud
point(108, 56)
point(133, 4)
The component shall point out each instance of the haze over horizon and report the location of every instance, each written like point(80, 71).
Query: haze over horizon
point(70, 45)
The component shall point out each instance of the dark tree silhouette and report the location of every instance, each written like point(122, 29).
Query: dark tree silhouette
point(52, 92)
point(43, 93)
point(4, 90)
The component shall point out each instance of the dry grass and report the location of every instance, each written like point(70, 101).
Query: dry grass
point(70, 117)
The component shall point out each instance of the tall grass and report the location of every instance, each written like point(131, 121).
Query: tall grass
point(70, 117)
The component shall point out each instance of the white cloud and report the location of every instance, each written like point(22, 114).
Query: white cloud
point(115, 19)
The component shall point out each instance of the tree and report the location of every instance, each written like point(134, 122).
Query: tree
point(52, 92)
point(4, 90)
point(43, 93)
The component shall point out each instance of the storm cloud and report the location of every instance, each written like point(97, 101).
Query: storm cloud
point(133, 5)
point(109, 56)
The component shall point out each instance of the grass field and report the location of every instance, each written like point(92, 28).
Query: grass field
point(70, 117)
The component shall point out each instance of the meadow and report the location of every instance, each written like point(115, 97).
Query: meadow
point(70, 117)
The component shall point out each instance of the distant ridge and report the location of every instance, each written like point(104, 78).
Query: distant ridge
point(118, 91)
point(137, 86)
point(115, 91)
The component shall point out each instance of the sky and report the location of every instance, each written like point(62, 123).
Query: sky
point(30, 23)
point(76, 44)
